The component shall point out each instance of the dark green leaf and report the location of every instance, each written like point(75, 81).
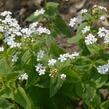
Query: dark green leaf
point(55, 85)
point(61, 25)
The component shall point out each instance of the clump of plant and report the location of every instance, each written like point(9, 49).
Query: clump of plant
point(35, 73)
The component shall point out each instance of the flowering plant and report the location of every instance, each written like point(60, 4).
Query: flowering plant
point(36, 73)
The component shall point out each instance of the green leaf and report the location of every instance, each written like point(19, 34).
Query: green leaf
point(94, 49)
point(5, 104)
point(55, 85)
point(22, 98)
point(89, 94)
point(55, 49)
point(61, 25)
point(81, 27)
point(33, 18)
point(84, 50)
point(51, 9)
point(78, 36)
point(101, 81)
point(105, 104)
point(75, 39)
point(6, 92)
point(4, 66)
point(26, 57)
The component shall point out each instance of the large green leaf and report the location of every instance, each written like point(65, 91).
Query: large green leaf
point(22, 99)
point(4, 66)
point(26, 57)
point(55, 49)
point(75, 39)
point(5, 104)
point(62, 26)
point(55, 85)
point(105, 105)
point(51, 9)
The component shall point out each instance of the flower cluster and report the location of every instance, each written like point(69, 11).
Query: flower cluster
point(84, 11)
point(66, 56)
point(39, 12)
point(40, 69)
point(13, 32)
point(100, 7)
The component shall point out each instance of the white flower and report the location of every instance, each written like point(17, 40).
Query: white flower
point(84, 11)
point(90, 39)
point(102, 8)
point(102, 18)
point(63, 76)
point(14, 58)
point(106, 38)
point(103, 69)
point(40, 69)
point(73, 55)
point(62, 58)
point(72, 22)
point(26, 32)
point(33, 26)
point(1, 49)
point(86, 29)
point(42, 30)
point(5, 13)
point(40, 55)
point(51, 62)
point(23, 77)
point(39, 12)
point(102, 32)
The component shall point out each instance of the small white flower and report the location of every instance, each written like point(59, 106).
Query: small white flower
point(14, 58)
point(102, 8)
point(103, 69)
point(40, 69)
point(33, 26)
point(5, 13)
point(106, 38)
point(1, 49)
point(86, 29)
point(90, 39)
point(63, 76)
point(102, 32)
point(42, 30)
point(73, 22)
point(73, 55)
point(62, 58)
point(39, 12)
point(40, 55)
point(52, 62)
point(84, 11)
point(26, 32)
point(23, 77)
point(102, 18)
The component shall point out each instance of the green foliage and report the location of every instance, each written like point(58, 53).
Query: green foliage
point(45, 76)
